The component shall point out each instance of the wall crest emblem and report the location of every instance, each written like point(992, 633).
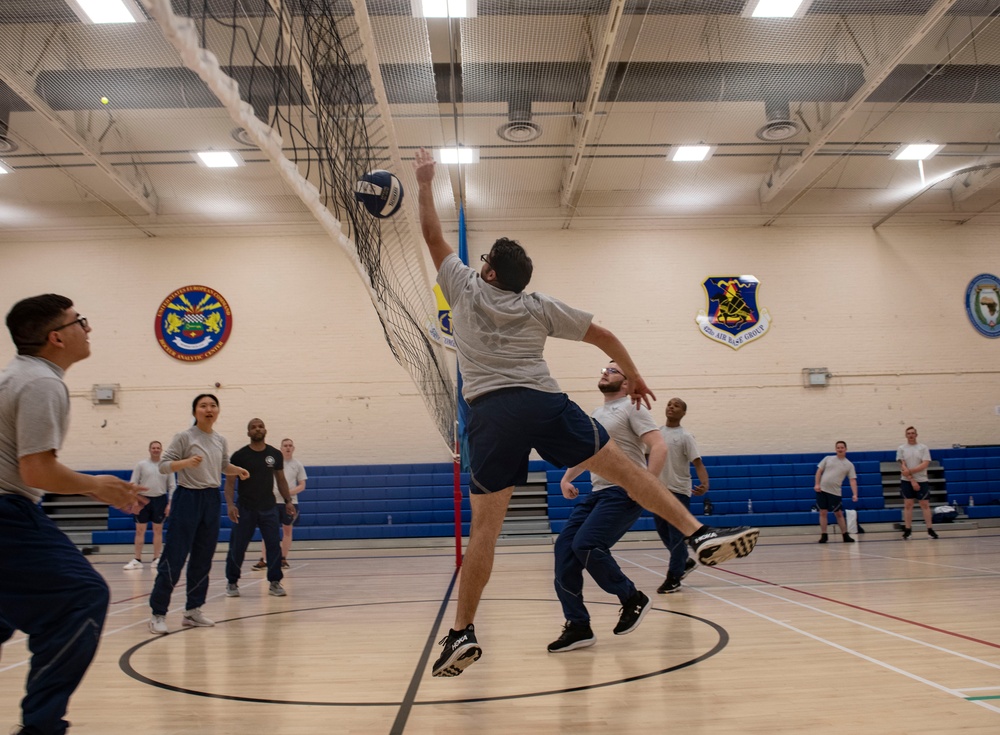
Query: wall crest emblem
point(982, 304)
point(733, 316)
point(193, 323)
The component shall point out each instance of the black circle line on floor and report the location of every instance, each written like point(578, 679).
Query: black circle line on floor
point(124, 662)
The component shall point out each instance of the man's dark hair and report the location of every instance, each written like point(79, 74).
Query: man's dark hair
point(30, 321)
point(841, 441)
point(511, 264)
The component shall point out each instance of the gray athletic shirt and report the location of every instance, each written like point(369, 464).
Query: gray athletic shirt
point(34, 418)
point(914, 454)
point(835, 470)
point(625, 424)
point(148, 475)
point(214, 452)
point(682, 450)
point(500, 335)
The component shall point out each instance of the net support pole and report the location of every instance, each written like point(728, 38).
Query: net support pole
point(463, 254)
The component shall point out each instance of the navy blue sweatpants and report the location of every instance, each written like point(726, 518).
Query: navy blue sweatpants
point(49, 591)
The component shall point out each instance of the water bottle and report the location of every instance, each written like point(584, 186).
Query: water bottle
point(749, 506)
point(708, 507)
point(388, 519)
point(972, 501)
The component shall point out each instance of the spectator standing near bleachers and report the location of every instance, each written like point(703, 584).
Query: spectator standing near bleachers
point(47, 588)
point(516, 406)
point(602, 518)
point(295, 478)
point(914, 459)
point(200, 456)
point(256, 508)
point(682, 452)
point(160, 490)
point(830, 474)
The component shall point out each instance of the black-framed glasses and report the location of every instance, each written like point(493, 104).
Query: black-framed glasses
point(486, 259)
point(612, 371)
point(82, 321)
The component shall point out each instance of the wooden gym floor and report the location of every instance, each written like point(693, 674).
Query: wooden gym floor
point(881, 636)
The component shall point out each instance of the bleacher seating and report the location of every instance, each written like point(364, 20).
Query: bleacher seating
point(417, 500)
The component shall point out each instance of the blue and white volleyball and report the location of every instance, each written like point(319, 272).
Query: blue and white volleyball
point(380, 192)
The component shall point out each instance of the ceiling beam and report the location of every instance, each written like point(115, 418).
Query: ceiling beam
point(130, 179)
point(598, 73)
point(778, 179)
point(973, 182)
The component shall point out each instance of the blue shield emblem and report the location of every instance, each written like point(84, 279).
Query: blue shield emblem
point(982, 304)
point(733, 316)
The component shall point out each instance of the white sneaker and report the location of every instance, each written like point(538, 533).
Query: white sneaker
point(155, 563)
point(158, 625)
point(276, 590)
point(232, 590)
point(134, 564)
point(195, 619)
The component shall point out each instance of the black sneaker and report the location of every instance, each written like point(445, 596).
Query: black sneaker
point(906, 533)
point(932, 533)
point(259, 566)
point(848, 539)
point(715, 545)
point(461, 650)
point(633, 611)
point(574, 635)
point(822, 538)
point(689, 566)
point(670, 584)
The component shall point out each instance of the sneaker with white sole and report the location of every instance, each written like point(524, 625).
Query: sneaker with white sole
point(134, 564)
point(232, 589)
point(633, 611)
point(461, 650)
point(158, 625)
point(574, 636)
point(689, 566)
point(196, 619)
point(715, 545)
point(670, 584)
point(276, 590)
point(155, 563)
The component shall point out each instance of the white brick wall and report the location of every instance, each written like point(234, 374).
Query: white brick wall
point(883, 311)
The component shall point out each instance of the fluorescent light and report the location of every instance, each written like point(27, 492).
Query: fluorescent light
point(106, 11)
point(690, 152)
point(916, 152)
point(5, 169)
point(444, 8)
point(458, 155)
point(218, 159)
point(776, 8)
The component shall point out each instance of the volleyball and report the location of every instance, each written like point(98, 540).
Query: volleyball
point(380, 192)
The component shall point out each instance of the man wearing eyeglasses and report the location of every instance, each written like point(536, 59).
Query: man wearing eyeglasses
point(600, 520)
point(517, 406)
point(47, 589)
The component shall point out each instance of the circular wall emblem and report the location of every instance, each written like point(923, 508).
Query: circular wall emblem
point(193, 323)
point(982, 304)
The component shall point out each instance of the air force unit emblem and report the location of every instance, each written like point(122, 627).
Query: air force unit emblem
point(982, 304)
point(733, 316)
point(193, 323)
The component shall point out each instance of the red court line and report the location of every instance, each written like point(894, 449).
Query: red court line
point(863, 609)
point(129, 599)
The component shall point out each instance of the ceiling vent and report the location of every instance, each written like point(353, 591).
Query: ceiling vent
point(7, 144)
point(519, 128)
point(779, 125)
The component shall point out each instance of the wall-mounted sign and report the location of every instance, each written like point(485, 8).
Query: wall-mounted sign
point(193, 323)
point(733, 316)
point(982, 302)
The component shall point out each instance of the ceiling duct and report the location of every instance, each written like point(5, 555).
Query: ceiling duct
point(519, 128)
point(779, 125)
point(7, 145)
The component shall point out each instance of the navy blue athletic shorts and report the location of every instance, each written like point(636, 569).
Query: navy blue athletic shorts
point(828, 501)
point(506, 424)
point(155, 510)
point(906, 488)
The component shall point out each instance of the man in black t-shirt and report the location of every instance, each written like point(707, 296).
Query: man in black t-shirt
point(256, 508)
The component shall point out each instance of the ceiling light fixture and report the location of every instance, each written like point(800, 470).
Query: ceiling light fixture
point(776, 8)
point(691, 152)
point(107, 11)
point(218, 159)
point(5, 169)
point(916, 152)
point(444, 8)
point(458, 155)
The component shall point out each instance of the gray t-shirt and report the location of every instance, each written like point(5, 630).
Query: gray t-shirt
point(835, 470)
point(213, 449)
point(500, 335)
point(626, 425)
point(914, 454)
point(682, 450)
point(294, 474)
point(147, 473)
point(34, 418)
